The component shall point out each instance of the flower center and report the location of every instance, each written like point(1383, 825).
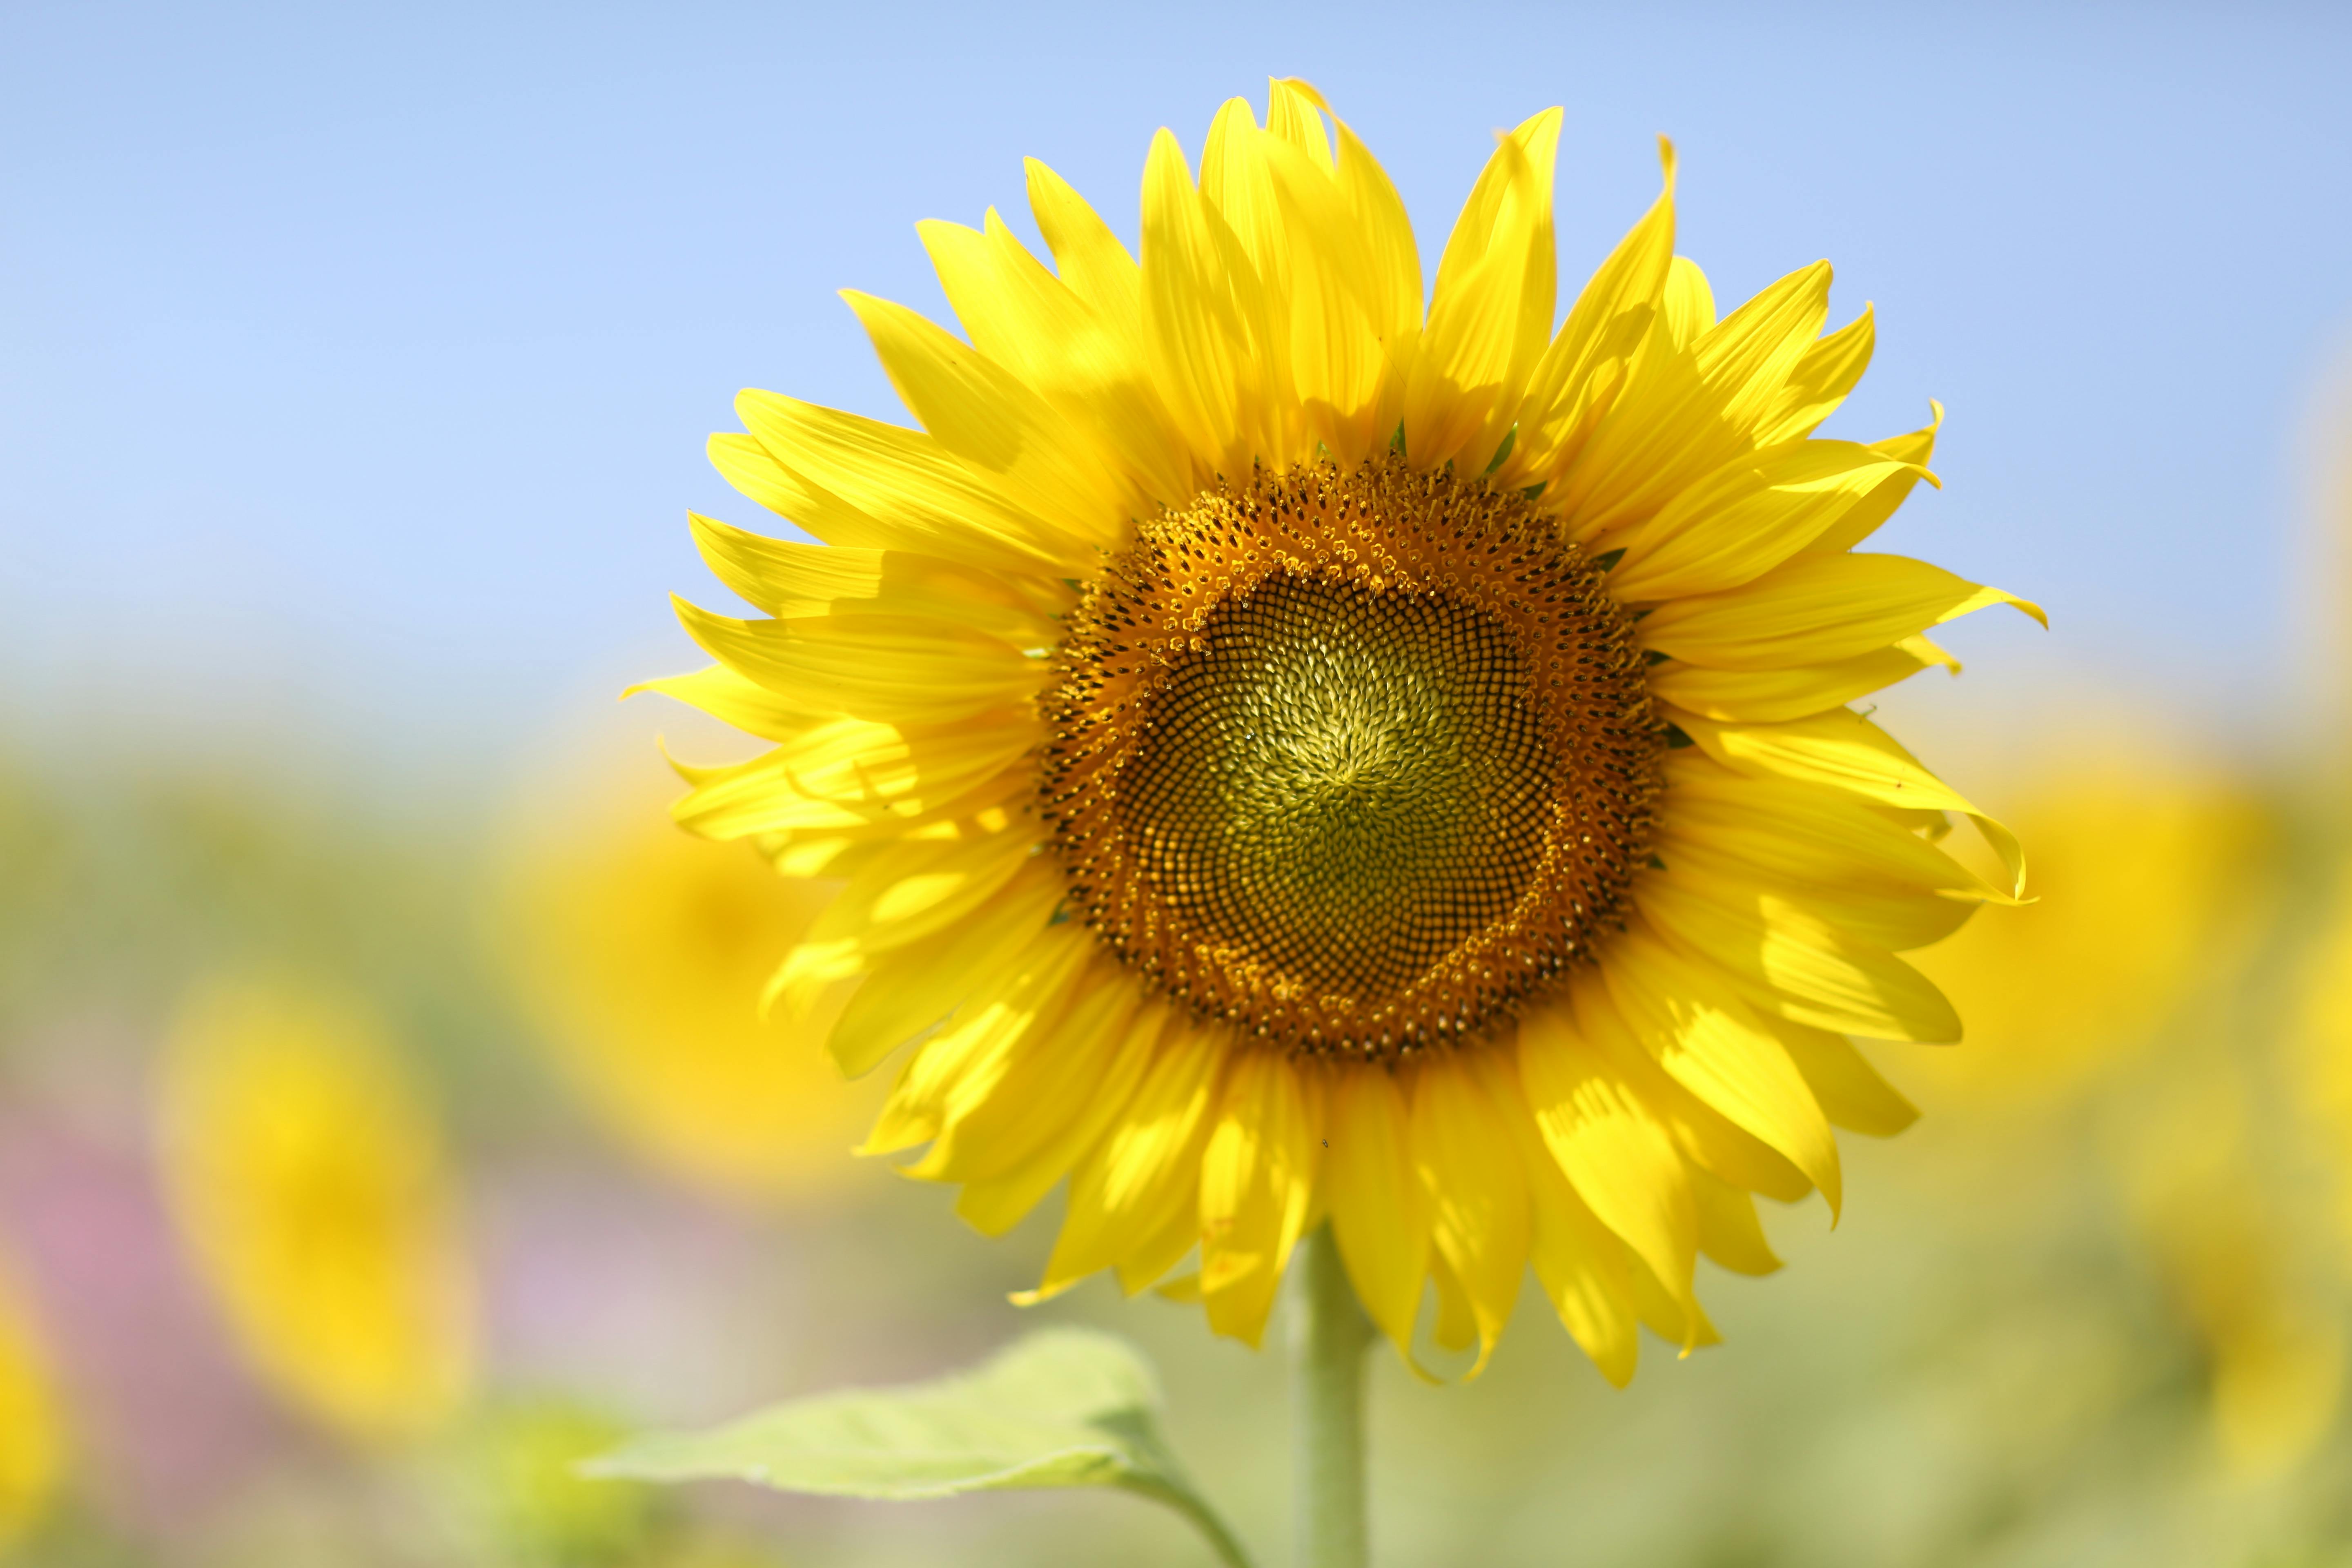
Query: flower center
point(1344, 783)
point(1351, 761)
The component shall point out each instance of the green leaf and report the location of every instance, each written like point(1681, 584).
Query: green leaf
point(1064, 1407)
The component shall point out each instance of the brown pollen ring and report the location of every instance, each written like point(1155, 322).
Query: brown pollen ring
point(1352, 762)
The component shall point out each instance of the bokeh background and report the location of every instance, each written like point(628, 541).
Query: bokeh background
point(355, 365)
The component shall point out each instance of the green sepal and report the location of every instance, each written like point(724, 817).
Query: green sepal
point(1503, 452)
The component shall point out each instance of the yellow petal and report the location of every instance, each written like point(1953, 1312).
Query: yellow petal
point(914, 987)
point(1238, 183)
point(1844, 750)
point(1257, 1175)
point(1618, 1157)
point(959, 1068)
point(1393, 299)
point(1469, 1164)
point(1817, 610)
point(846, 773)
point(1899, 920)
point(1145, 1173)
point(1915, 448)
point(1585, 1271)
point(918, 885)
point(915, 493)
point(1456, 1327)
point(1711, 1042)
point(1339, 365)
point(1037, 1083)
point(1060, 1126)
point(1008, 436)
point(1851, 1093)
point(1150, 1257)
point(1294, 117)
point(1491, 312)
point(1586, 1276)
point(1091, 260)
point(1828, 369)
point(1746, 518)
point(1380, 1214)
point(731, 699)
point(1184, 1289)
point(1795, 963)
point(1678, 1322)
point(1090, 370)
point(1689, 411)
point(1047, 1080)
point(1585, 367)
point(751, 468)
point(1707, 1139)
point(1204, 323)
point(1806, 835)
point(893, 670)
point(1686, 310)
point(789, 580)
point(1772, 696)
point(1728, 1231)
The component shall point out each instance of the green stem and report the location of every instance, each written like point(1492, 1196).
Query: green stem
point(1222, 1540)
point(1328, 1336)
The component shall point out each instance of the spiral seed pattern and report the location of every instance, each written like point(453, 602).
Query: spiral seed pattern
point(1351, 761)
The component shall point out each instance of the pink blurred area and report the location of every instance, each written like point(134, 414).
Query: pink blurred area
point(169, 1427)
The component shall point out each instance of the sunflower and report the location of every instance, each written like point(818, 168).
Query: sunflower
point(1286, 757)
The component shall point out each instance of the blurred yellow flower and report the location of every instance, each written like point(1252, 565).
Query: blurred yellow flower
point(643, 958)
point(2150, 882)
point(2225, 1243)
point(307, 1176)
point(2324, 1041)
point(32, 1436)
point(2156, 879)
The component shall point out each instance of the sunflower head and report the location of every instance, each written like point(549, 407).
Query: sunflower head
point(1278, 750)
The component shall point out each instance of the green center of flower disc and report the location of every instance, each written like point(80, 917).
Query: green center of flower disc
point(1343, 783)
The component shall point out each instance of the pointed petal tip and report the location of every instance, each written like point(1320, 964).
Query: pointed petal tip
point(1306, 89)
point(1045, 1292)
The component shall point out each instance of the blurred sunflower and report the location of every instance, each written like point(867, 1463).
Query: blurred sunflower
point(2220, 1227)
point(2107, 1007)
point(1285, 755)
point(2154, 882)
point(642, 960)
point(32, 1428)
point(2323, 1034)
point(306, 1173)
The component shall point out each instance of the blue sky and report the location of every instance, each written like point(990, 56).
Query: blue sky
point(355, 365)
